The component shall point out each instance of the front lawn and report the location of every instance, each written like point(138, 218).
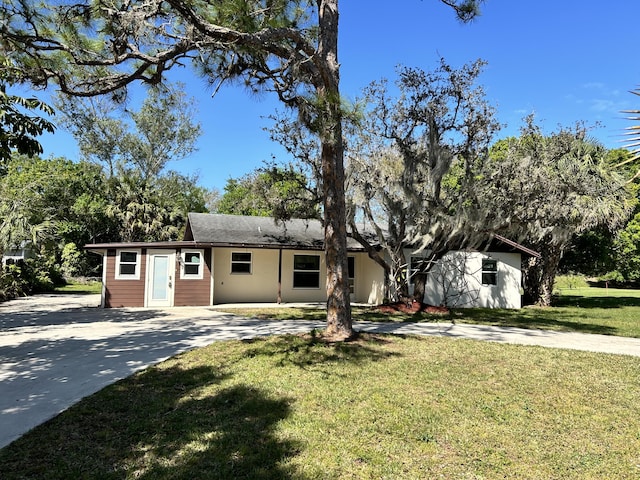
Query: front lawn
point(381, 407)
point(588, 310)
point(85, 288)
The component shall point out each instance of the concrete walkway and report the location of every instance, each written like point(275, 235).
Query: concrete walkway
point(57, 349)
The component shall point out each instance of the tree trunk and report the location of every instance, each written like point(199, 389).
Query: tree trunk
point(339, 325)
point(419, 286)
point(550, 261)
point(540, 273)
point(531, 274)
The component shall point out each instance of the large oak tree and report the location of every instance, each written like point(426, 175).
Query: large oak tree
point(412, 169)
point(546, 189)
point(288, 46)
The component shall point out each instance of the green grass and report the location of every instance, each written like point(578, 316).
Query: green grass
point(587, 310)
point(381, 407)
point(81, 288)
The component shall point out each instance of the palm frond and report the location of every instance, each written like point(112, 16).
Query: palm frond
point(632, 135)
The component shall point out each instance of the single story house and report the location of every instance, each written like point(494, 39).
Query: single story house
point(241, 259)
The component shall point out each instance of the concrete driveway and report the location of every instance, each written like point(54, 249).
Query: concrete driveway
point(57, 349)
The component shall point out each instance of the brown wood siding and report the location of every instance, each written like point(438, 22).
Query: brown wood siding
point(124, 293)
point(191, 292)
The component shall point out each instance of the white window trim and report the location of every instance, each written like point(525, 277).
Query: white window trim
point(306, 271)
point(134, 276)
point(250, 262)
point(483, 271)
point(183, 262)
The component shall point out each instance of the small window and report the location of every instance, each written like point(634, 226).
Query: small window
point(241, 262)
point(489, 272)
point(192, 264)
point(306, 271)
point(128, 265)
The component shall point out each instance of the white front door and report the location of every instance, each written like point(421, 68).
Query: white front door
point(160, 281)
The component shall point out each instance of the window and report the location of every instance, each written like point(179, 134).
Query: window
point(306, 271)
point(489, 272)
point(352, 273)
point(192, 267)
point(241, 262)
point(128, 265)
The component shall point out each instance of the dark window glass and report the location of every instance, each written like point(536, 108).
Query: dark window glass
point(489, 272)
point(192, 257)
point(240, 268)
point(306, 262)
point(127, 269)
point(128, 257)
point(128, 262)
point(191, 269)
point(192, 263)
point(306, 279)
point(240, 262)
point(241, 257)
point(306, 271)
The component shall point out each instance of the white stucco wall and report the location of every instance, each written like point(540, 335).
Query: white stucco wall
point(369, 280)
point(456, 281)
point(261, 285)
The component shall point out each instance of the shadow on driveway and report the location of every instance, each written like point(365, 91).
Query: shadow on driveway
point(53, 355)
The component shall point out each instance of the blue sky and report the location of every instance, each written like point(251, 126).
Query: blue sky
point(564, 60)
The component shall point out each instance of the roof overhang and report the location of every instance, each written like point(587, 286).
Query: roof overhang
point(100, 248)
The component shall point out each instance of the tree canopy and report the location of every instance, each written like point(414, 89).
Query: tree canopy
point(412, 166)
point(123, 138)
point(287, 46)
point(18, 128)
point(273, 191)
point(545, 189)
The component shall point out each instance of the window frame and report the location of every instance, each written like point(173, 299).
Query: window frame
point(306, 271)
point(128, 276)
point(183, 265)
point(241, 262)
point(489, 272)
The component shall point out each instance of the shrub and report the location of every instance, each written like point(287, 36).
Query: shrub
point(26, 277)
point(74, 261)
point(13, 281)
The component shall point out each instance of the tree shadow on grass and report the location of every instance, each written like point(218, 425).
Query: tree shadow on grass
point(530, 318)
point(595, 302)
point(163, 423)
point(312, 351)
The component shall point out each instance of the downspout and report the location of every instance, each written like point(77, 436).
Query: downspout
point(103, 293)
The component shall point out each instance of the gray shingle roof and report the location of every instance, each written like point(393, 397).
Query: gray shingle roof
point(239, 230)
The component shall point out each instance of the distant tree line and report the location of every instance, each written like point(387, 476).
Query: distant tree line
point(121, 190)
